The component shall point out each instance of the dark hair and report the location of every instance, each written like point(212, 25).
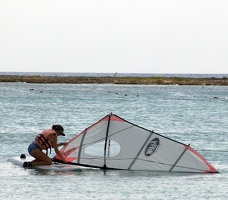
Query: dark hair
point(58, 127)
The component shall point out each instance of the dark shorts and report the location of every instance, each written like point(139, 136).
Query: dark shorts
point(32, 147)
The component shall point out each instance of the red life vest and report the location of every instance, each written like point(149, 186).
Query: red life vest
point(42, 138)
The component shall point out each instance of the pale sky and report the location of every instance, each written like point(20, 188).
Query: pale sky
point(125, 36)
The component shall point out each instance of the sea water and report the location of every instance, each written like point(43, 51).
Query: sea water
point(195, 115)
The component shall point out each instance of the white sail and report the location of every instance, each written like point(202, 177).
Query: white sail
point(114, 143)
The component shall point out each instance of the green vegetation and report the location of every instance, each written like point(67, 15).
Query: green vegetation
point(116, 80)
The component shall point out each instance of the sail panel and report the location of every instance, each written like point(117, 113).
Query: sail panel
point(193, 161)
point(159, 153)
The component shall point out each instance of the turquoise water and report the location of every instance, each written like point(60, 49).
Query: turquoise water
point(194, 115)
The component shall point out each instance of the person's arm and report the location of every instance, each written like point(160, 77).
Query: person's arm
point(61, 144)
point(55, 146)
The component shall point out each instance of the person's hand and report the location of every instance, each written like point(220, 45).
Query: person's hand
point(62, 144)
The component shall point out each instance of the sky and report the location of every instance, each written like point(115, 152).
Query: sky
point(108, 36)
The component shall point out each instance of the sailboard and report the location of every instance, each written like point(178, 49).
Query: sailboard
point(55, 166)
point(115, 143)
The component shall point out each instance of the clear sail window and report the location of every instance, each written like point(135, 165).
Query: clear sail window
point(97, 149)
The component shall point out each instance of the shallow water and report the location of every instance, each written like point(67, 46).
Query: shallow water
point(194, 115)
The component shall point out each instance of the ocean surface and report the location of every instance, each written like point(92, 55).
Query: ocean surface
point(196, 115)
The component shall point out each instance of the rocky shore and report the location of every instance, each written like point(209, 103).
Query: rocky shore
point(115, 80)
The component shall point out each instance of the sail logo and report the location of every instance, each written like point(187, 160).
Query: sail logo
point(152, 147)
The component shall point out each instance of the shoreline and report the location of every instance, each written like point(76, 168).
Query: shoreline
point(115, 80)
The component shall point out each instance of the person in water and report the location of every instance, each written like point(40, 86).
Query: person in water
point(45, 140)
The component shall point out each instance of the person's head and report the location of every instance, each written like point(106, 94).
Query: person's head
point(59, 129)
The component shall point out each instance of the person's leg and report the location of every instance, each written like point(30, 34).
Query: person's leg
point(40, 158)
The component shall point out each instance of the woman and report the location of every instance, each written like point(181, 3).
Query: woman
point(47, 139)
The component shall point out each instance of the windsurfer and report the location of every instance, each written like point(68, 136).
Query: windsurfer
point(45, 140)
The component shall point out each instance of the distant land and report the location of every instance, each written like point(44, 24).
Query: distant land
point(155, 80)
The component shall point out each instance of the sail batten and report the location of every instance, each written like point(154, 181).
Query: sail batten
point(106, 139)
point(115, 143)
point(81, 144)
point(140, 150)
point(179, 158)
